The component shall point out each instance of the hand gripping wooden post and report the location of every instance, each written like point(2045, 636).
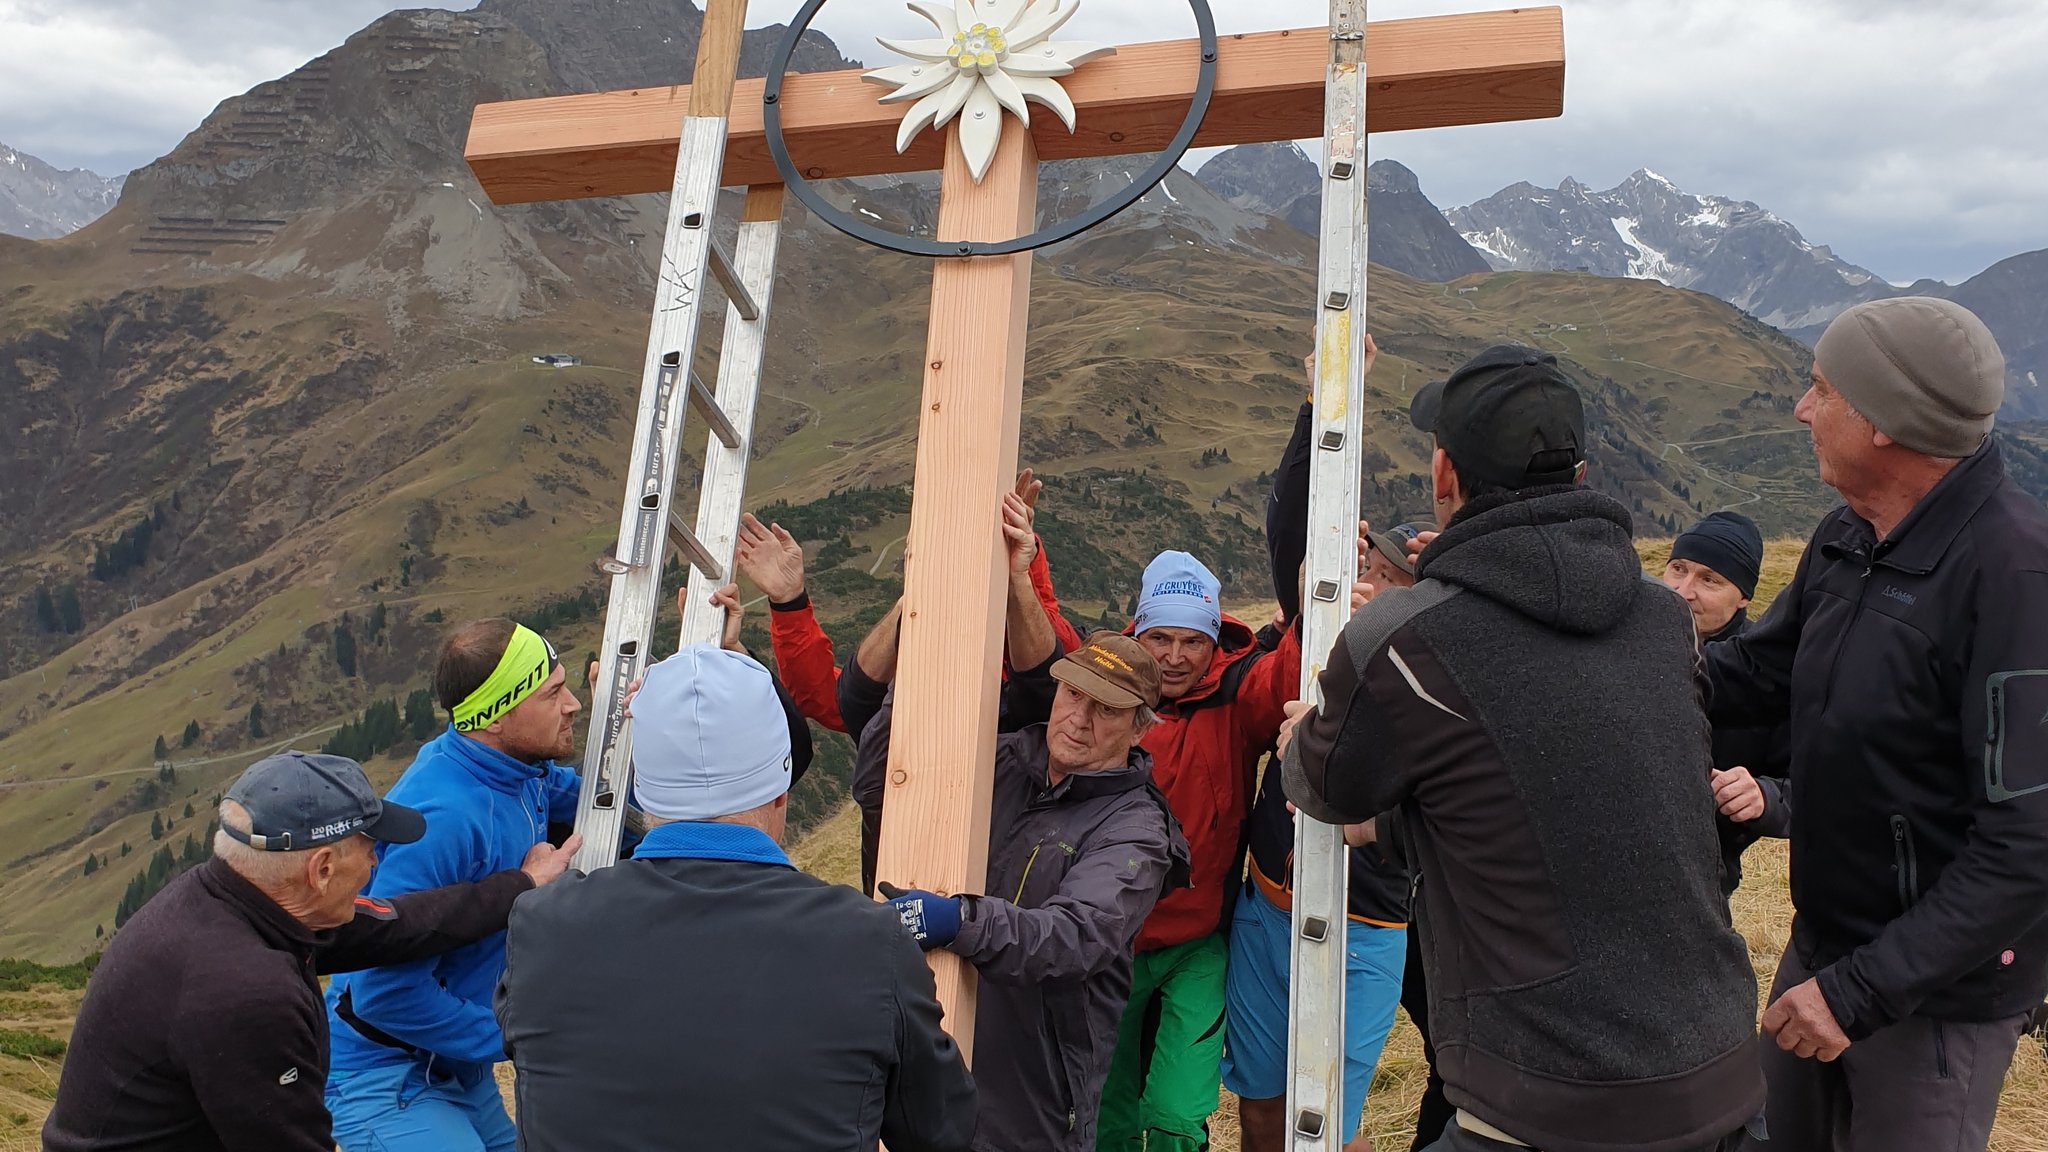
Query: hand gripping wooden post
point(1426, 73)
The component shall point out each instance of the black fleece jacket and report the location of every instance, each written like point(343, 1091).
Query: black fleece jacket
point(1532, 709)
point(203, 1028)
point(1914, 671)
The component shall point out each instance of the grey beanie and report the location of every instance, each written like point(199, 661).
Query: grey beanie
point(1925, 372)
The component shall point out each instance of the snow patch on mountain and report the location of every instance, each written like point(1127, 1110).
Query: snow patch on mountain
point(1648, 228)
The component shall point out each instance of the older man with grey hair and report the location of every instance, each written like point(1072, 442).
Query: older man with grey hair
point(203, 1028)
point(1910, 654)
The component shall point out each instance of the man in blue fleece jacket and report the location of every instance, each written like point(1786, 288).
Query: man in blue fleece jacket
point(413, 1044)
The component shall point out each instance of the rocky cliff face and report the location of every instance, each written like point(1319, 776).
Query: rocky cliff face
point(2012, 297)
point(1405, 231)
point(40, 201)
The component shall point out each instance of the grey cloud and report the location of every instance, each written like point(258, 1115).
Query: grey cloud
point(1903, 134)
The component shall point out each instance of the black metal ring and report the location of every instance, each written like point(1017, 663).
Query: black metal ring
point(771, 108)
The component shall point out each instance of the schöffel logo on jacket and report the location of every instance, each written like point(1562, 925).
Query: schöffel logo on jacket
point(1181, 588)
point(1894, 592)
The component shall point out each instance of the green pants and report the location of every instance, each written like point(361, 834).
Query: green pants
point(1163, 1079)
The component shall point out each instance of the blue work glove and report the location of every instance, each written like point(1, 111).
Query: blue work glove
point(933, 920)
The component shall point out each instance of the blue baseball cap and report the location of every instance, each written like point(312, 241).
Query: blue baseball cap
point(300, 800)
point(1179, 592)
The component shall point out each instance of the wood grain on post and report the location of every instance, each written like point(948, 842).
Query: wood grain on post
point(1432, 72)
point(718, 63)
point(941, 755)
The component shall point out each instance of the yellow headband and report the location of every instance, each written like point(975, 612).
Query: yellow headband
point(526, 665)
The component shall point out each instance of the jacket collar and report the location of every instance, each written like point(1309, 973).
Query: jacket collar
point(1735, 626)
point(704, 840)
point(487, 764)
point(278, 928)
point(1076, 787)
point(1917, 545)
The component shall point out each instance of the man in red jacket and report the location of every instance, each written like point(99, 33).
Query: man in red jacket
point(1223, 699)
point(770, 557)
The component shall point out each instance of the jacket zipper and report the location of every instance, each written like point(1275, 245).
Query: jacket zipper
point(1940, 1050)
point(1018, 899)
point(1905, 863)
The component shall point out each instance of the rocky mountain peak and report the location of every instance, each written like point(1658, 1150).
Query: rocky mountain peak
point(1649, 228)
point(40, 201)
point(1407, 232)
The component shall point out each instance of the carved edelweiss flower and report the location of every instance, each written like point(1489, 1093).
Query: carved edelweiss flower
point(992, 55)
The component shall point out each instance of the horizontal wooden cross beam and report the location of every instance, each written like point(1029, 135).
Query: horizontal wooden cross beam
point(1432, 72)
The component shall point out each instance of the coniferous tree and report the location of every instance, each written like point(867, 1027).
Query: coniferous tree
point(256, 720)
point(191, 736)
point(156, 826)
point(163, 750)
point(345, 646)
point(188, 810)
point(47, 619)
point(92, 863)
point(69, 614)
point(419, 714)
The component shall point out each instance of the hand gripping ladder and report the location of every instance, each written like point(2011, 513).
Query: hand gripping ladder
point(1315, 1010)
point(650, 526)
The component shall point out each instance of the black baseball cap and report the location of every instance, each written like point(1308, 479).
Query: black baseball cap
point(299, 800)
point(1509, 417)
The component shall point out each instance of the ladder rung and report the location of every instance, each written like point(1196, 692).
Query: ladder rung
point(707, 406)
point(680, 535)
point(728, 279)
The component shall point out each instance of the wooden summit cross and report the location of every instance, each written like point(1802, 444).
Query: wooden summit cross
point(1424, 73)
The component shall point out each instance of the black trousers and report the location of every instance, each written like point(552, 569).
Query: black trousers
point(1920, 1084)
point(1436, 1111)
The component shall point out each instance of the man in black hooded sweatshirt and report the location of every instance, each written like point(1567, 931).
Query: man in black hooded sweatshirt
point(1714, 568)
point(1527, 724)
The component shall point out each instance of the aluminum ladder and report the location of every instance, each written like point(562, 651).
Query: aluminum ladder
point(1315, 1006)
point(650, 527)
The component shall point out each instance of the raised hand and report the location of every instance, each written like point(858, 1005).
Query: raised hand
point(728, 598)
point(1028, 487)
point(771, 558)
point(1018, 537)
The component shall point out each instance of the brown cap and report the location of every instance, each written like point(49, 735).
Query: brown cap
point(1111, 669)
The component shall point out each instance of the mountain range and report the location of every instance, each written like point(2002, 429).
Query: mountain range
point(40, 201)
point(279, 406)
point(1644, 228)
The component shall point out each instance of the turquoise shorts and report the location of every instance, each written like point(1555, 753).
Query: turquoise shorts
point(1255, 1003)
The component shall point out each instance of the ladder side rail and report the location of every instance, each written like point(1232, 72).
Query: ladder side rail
point(1316, 1009)
point(650, 486)
point(743, 354)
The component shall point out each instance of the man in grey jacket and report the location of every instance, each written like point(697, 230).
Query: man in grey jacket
point(707, 992)
point(1080, 847)
point(1529, 717)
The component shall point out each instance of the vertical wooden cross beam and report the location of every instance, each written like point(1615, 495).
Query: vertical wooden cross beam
point(935, 831)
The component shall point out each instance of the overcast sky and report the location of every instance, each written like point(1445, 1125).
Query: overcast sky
point(1907, 134)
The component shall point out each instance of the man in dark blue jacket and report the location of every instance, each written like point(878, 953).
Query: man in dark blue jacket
point(705, 993)
point(1911, 655)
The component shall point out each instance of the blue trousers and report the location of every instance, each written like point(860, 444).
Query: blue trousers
point(398, 1109)
point(1255, 1000)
